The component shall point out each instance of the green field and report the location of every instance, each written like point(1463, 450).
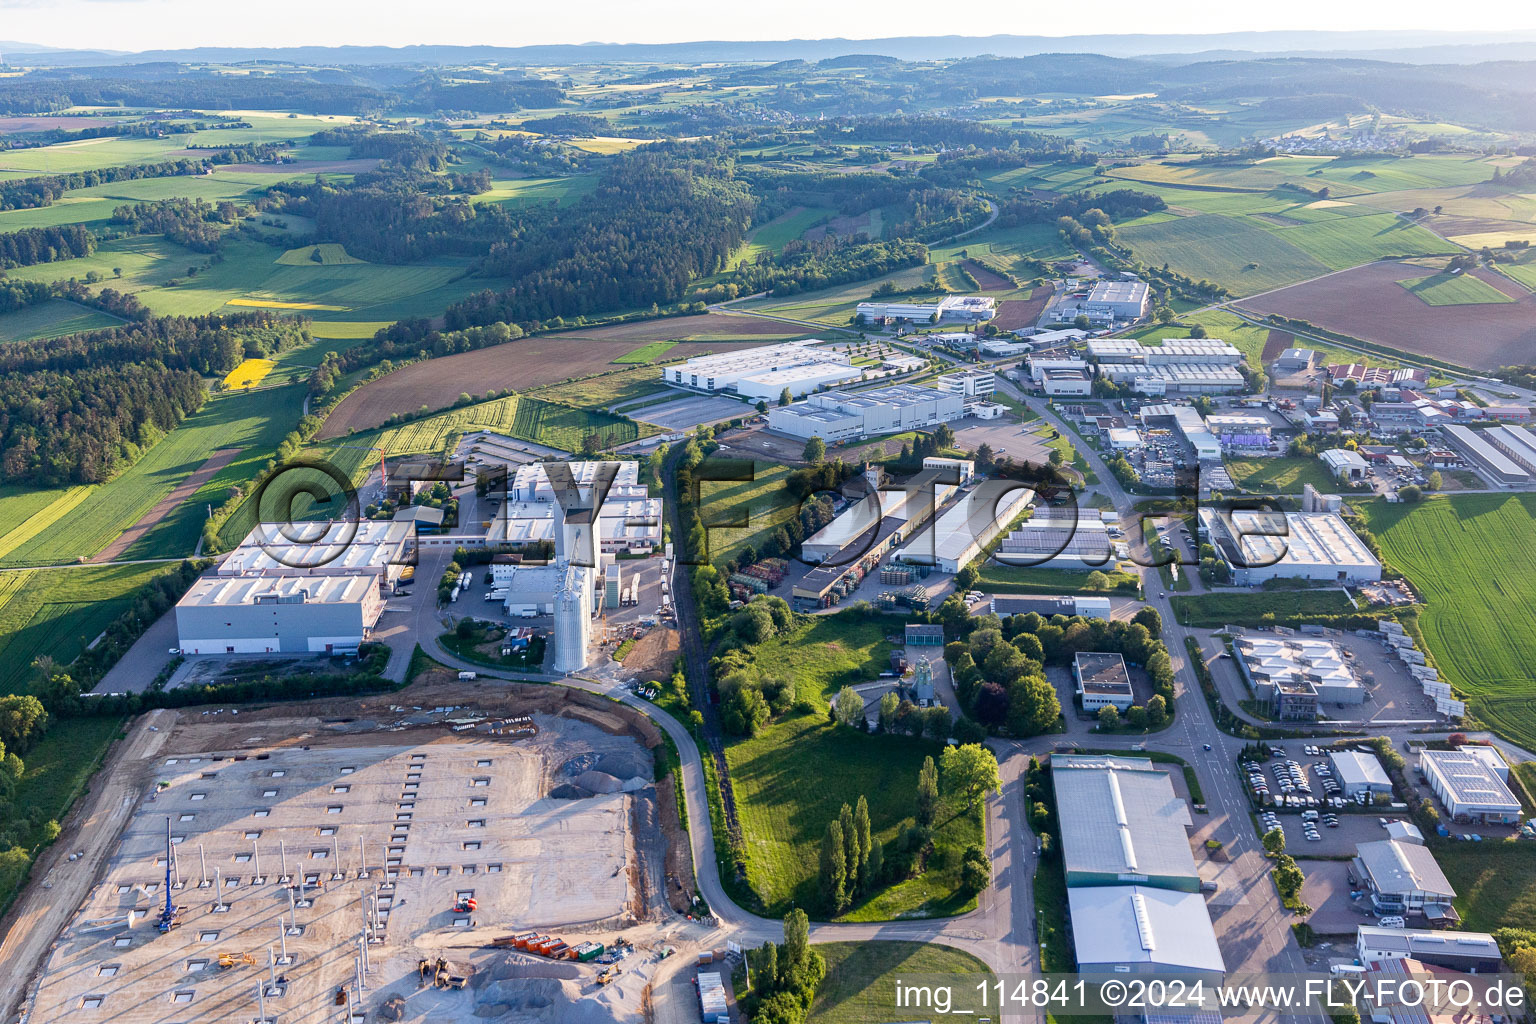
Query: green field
point(773, 235)
point(1031, 579)
point(1495, 883)
point(1522, 270)
point(1473, 560)
point(1454, 290)
point(830, 652)
point(255, 422)
point(58, 612)
point(1212, 611)
point(1283, 474)
point(1348, 241)
point(528, 191)
point(792, 778)
point(861, 978)
point(52, 319)
point(647, 353)
point(761, 504)
point(330, 255)
point(1233, 252)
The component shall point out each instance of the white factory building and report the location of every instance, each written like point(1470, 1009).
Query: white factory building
point(326, 548)
point(1263, 546)
point(1473, 445)
point(975, 384)
point(1358, 771)
point(848, 415)
point(1141, 930)
point(625, 525)
point(564, 588)
point(887, 514)
point(960, 534)
point(296, 588)
point(538, 481)
point(1102, 681)
point(1347, 466)
point(971, 308)
point(1066, 381)
point(1122, 300)
point(1472, 783)
point(764, 372)
point(1169, 350)
point(1271, 662)
point(269, 614)
point(1176, 366)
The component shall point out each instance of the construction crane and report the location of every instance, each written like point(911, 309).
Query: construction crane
point(168, 912)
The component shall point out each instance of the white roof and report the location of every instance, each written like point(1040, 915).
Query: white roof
point(1130, 925)
point(1120, 816)
point(328, 546)
point(1469, 779)
point(1264, 539)
point(1343, 458)
point(1357, 768)
point(1398, 867)
point(225, 591)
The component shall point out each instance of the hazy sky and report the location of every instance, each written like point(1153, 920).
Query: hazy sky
point(153, 24)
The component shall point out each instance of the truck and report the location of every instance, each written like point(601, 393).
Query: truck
point(465, 677)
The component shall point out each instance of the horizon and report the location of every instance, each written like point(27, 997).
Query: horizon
point(136, 26)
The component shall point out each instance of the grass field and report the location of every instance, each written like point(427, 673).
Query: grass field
point(647, 353)
point(1495, 883)
point(330, 253)
point(1284, 474)
point(761, 504)
point(1212, 611)
point(249, 373)
point(773, 235)
point(831, 651)
point(52, 319)
point(527, 191)
point(1472, 558)
point(790, 781)
point(861, 978)
point(1031, 579)
point(58, 612)
point(1233, 252)
point(1454, 290)
point(255, 422)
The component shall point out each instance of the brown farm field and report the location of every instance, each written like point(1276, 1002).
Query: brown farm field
point(522, 366)
point(989, 279)
point(1368, 303)
point(1015, 313)
point(703, 327)
point(1274, 344)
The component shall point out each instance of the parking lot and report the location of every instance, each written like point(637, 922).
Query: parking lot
point(1007, 437)
point(1300, 780)
point(691, 410)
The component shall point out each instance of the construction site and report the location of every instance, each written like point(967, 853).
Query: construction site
point(501, 854)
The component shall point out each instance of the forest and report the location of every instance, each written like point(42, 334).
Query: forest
point(45, 245)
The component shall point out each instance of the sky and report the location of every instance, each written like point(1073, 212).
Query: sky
point(175, 24)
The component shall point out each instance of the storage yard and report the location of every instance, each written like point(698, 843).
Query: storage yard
point(371, 859)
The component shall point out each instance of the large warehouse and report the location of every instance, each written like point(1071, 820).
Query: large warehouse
point(1468, 783)
point(969, 308)
point(1122, 824)
point(1268, 662)
point(278, 614)
point(848, 415)
point(1262, 546)
point(1493, 463)
point(960, 533)
point(765, 371)
point(340, 548)
point(1138, 929)
point(893, 512)
point(1404, 878)
point(1048, 542)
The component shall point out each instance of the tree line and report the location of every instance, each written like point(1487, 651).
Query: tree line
point(45, 245)
point(80, 409)
point(804, 266)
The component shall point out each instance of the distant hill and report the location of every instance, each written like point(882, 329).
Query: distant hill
point(1411, 47)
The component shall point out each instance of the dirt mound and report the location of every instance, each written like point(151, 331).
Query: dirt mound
point(599, 782)
point(566, 791)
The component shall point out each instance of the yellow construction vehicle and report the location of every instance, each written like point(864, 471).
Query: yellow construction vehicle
point(237, 960)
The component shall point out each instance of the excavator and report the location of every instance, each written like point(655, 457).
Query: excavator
point(237, 960)
point(438, 974)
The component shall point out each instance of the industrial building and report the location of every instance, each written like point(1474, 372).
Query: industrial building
point(1102, 681)
point(764, 372)
point(1240, 430)
point(1020, 604)
point(538, 481)
point(631, 525)
point(964, 470)
point(980, 384)
point(1403, 878)
point(1060, 380)
point(879, 516)
point(960, 534)
point(971, 308)
point(1122, 824)
point(1050, 542)
point(328, 548)
point(1347, 466)
point(1458, 951)
point(1473, 446)
point(1174, 378)
point(849, 415)
point(1186, 420)
point(1280, 667)
point(1261, 546)
point(1106, 302)
point(1359, 772)
point(1106, 351)
point(1468, 782)
point(1142, 930)
point(1296, 360)
point(278, 614)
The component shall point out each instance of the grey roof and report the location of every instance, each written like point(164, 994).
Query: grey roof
point(1357, 768)
point(1130, 925)
point(1471, 782)
point(1119, 815)
point(1426, 941)
point(1098, 672)
point(1398, 867)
